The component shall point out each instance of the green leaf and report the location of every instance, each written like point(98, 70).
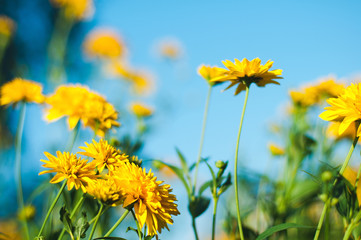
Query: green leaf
point(178, 172)
point(81, 226)
point(183, 161)
point(204, 187)
point(214, 184)
point(278, 228)
point(65, 218)
point(225, 185)
point(198, 205)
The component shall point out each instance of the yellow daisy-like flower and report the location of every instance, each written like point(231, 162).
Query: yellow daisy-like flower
point(7, 26)
point(18, 90)
point(209, 73)
point(104, 155)
point(103, 44)
point(79, 103)
point(346, 108)
point(246, 72)
point(107, 191)
point(141, 110)
point(349, 133)
point(75, 9)
point(152, 201)
point(350, 175)
point(276, 150)
point(76, 171)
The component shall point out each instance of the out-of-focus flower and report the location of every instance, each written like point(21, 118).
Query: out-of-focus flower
point(317, 93)
point(76, 171)
point(170, 49)
point(18, 90)
point(103, 44)
point(246, 72)
point(107, 191)
point(346, 108)
point(351, 175)
point(141, 110)
point(9, 230)
point(142, 82)
point(27, 213)
point(152, 201)
point(7, 26)
point(104, 155)
point(275, 149)
point(209, 73)
point(79, 103)
point(75, 9)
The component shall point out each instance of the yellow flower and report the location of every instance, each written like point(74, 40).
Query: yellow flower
point(76, 171)
point(346, 108)
point(246, 72)
point(7, 26)
point(350, 175)
point(19, 90)
point(75, 9)
point(107, 191)
point(103, 44)
point(209, 73)
point(170, 48)
point(349, 133)
point(104, 155)
point(152, 201)
point(141, 110)
point(276, 150)
point(316, 94)
point(79, 103)
point(27, 213)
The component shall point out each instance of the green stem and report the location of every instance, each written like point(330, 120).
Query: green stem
point(96, 221)
point(214, 218)
point(202, 138)
point(117, 223)
point(195, 228)
point(73, 212)
point(138, 226)
point(52, 207)
point(73, 137)
point(236, 166)
point(349, 230)
point(325, 207)
point(18, 139)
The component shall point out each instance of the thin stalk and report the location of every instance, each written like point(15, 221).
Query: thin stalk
point(195, 228)
point(52, 207)
point(117, 223)
point(214, 218)
point(349, 230)
point(236, 166)
point(205, 116)
point(96, 221)
point(138, 226)
point(18, 138)
point(73, 137)
point(73, 212)
point(325, 207)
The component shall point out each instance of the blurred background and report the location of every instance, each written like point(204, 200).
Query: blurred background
point(165, 42)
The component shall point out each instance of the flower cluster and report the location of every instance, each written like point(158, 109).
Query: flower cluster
point(124, 184)
point(79, 103)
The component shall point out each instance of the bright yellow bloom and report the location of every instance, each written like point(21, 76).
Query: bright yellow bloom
point(27, 213)
point(18, 90)
point(141, 110)
point(316, 94)
point(107, 191)
point(103, 44)
point(76, 171)
point(209, 73)
point(350, 175)
point(104, 155)
point(7, 26)
point(153, 202)
point(246, 72)
point(79, 103)
point(276, 150)
point(75, 9)
point(349, 133)
point(346, 108)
